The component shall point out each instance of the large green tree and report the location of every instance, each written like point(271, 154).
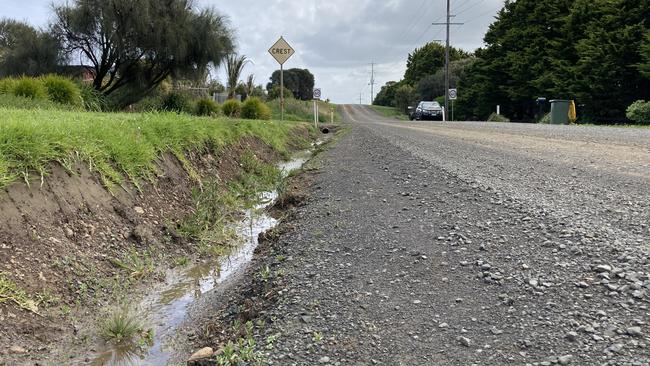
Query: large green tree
point(427, 60)
point(299, 81)
point(139, 43)
point(588, 50)
point(25, 50)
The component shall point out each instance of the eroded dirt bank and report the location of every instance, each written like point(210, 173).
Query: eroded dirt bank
point(69, 248)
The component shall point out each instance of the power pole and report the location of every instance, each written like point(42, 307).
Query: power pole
point(372, 81)
point(447, 24)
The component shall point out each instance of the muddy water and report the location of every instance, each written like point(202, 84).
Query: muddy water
point(166, 307)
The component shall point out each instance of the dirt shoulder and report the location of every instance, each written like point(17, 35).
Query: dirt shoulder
point(395, 261)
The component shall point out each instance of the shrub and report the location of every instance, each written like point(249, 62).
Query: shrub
point(231, 108)
point(546, 119)
point(274, 93)
point(207, 107)
point(498, 118)
point(254, 108)
point(177, 102)
point(30, 88)
point(7, 85)
point(62, 90)
point(92, 99)
point(639, 112)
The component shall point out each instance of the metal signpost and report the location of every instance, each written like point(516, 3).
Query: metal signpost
point(453, 95)
point(317, 95)
point(281, 52)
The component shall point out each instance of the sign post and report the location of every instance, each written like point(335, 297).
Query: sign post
point(281, 52)
point(317, 95)
point(453, 95)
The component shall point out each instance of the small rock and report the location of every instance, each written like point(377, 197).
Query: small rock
point(324, 359)
point(533, 282)
point(17, 349)
point(443, 325)
point(565, 360)
point(572, 336)
point(416, 302)
point(139, 210)
point(634, 331)
point(603, 268)
point(465, 341)
point(201, 354)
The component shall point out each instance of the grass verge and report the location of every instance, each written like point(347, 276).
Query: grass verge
point(389, 112)
point(303, 110)
point(117, 145)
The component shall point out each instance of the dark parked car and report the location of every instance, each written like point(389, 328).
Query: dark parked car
point(426, 110)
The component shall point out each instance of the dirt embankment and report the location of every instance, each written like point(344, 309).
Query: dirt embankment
point(69, 246)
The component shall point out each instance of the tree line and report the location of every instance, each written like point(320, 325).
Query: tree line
point(596, 52)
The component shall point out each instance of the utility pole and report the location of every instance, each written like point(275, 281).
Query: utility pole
point(372, 81)
point(447, 24)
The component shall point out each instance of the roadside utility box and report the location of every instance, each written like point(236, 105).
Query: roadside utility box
point(559, 112)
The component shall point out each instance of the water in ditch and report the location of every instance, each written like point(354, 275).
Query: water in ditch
point(166, 308)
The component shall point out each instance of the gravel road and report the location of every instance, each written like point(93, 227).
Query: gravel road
point(469, 244)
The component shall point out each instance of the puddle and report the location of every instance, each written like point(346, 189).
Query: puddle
point(166, 309)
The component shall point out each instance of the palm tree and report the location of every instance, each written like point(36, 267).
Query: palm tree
point(234, 67)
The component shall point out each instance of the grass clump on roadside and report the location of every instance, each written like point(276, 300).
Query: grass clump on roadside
point(118, 145)
point(254, 108)
point(207, 107)
point(498, 118)
point(389, 112)
point(122, 325)
point(30, 88)
point(62, 90)
point(231, 108)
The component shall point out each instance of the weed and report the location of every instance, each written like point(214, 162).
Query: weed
point(182, 261)
point(138, 265)
point(318, 337)
point(270, 340)
point(10, 292)
point(265, 273)
point(121, 326)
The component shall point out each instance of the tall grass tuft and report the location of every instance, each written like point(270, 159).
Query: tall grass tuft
point(231, 108)
point(62, 90)
point(121, 326)
point(30, 88)
point(254, 108)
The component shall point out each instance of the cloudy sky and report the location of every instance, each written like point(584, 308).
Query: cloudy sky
point(336, 39)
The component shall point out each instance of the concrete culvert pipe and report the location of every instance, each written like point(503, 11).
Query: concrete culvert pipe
point(325, 130)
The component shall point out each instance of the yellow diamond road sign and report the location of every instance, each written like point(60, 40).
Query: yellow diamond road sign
point(281, 51)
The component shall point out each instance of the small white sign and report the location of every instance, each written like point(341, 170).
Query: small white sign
point(317, 93)
point(281, 51)
point(453, 94)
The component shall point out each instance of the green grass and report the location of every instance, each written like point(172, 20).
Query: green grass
point(123, 325)
point(389, 112)
point(13, 101)
point(303, 110)
point(118, 146)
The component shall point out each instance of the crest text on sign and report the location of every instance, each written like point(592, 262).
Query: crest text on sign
point(281, 51)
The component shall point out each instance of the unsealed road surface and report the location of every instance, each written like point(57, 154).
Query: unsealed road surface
point(470, 243)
